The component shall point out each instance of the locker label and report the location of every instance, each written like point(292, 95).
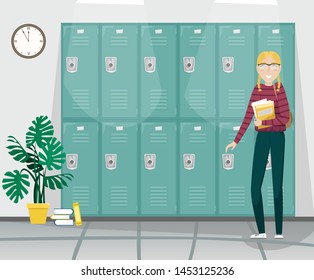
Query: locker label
point(119, 128)
point(228, 64)
point(111, 64)
point(150, 64)
point(189, 64)
point(119, 31)
point(80, 128)
point(236, 31)
point(189, 161)
point(158, 128)
point(227, 161)
point(150, 161)
point(197, 31)
point(158, 31)
point(72, 64)
point(111, 161)
point(72, 161)
point(276, 31)
point(80, 31)
point(197, 128)
point(236, 128)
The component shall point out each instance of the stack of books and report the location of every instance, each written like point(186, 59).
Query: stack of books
point(62, 216)
point(264, 110)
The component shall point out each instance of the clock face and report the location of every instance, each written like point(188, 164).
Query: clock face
point(28, 41)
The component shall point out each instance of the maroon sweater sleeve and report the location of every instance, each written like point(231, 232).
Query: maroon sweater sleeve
point(247, 119)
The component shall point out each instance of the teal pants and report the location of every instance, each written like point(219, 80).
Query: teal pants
point(273, 142)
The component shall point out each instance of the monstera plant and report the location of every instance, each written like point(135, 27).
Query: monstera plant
point(42, 156)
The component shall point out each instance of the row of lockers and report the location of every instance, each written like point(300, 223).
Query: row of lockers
point(167, 70)
point(166, 169)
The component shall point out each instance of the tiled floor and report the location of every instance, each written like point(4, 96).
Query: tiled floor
point(173, 240)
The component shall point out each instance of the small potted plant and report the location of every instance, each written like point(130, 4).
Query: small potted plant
point(42, 156)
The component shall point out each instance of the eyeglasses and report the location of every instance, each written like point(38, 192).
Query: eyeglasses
point(273, 66)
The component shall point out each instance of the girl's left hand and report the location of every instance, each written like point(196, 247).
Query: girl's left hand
point(258, 122)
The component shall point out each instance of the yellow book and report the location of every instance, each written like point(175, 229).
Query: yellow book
point(265, 111)
point(77, 213)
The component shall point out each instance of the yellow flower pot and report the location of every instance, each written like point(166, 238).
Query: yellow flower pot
point(38, 212)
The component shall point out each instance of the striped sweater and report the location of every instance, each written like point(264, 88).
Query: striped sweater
point(281, 110)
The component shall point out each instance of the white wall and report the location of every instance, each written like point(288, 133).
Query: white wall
point(32, 87)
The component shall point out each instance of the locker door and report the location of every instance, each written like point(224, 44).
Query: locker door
point(197, 169)
point(158, 71)
point(280, 38)
point(119, 169)
point(197, 71)
point(158, 169)
point(80, 70)
point(236, 68)
point(80, 142)
point(235, 173)
point(119, 70)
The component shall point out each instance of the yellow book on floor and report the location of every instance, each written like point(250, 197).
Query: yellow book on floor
point(77, 213)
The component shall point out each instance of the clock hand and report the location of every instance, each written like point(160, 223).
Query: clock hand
point(25, 35)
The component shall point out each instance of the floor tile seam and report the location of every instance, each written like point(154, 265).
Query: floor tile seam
point(194, 241)
point(259, 244)
point(80, 241)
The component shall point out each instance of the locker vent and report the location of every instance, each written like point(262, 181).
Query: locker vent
point(197, 196)
point(270, 196)
point(197, 99)
point(158, 196)
point(158, 138)
point(275, 41)
point(236, 196)
point(236, 99)
point(195, 41)
point(79, 41)
point(80, 138)
point(232, 135)
point(158, 99)
point(119, 196)
point(80, 99)
point(119, 41)
point(236, 41)
point(80, 194)
point(197, 138)
point(119, 99)
point(158, 41)
point(119, 138)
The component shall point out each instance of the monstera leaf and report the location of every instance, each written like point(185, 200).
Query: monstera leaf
point(33, 163)
point(57, 181)
point(53, 156)
point(40, 132)
point(16, 150)
point(15, 183)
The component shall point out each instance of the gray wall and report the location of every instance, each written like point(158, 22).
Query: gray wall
point(32, 87)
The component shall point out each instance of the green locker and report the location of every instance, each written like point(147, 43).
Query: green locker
point(197, 71)
point(197, 169)
point(280, 38)
point(80, 71)
point(158, 169)
point(80, 141)
point(234, 169)
point(119, 61)
point(158, 70)
point(119, 169)
point(237, 68)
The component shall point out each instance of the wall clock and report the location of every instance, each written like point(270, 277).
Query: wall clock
point(28, 40)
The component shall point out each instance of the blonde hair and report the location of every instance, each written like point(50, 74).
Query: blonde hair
point(263, 55)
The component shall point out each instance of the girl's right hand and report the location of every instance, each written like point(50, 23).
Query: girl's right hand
point(231, 145)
